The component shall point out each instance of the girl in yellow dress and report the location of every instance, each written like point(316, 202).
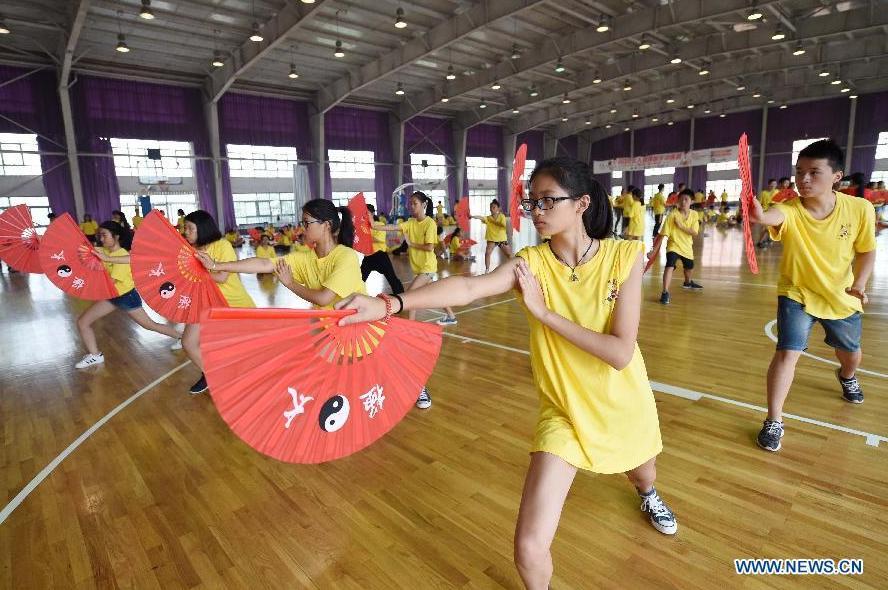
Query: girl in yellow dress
point(495, 234)
point(202, 232)
point(582, 295)
point(115, 240)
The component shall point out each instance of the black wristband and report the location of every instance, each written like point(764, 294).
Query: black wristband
point(400, 301)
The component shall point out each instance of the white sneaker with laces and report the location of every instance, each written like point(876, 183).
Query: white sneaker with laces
point(447, 321)
point(424, 401)
point(177, 345)
point(659, 513)
point(90, 360)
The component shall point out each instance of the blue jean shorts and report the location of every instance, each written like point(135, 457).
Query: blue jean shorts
point(794, 327)
point(129, 301)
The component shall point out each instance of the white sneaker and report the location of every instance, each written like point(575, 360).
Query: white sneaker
point(90, 360)
point(177, 345)
point(447, 321)
point(424, 401)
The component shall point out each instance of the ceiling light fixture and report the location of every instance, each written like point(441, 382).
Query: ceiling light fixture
point(293, 75)
point(483, 105)
point(566, 99)
point(597, 78)
point(603, 24)
point(534, 92)
point(559, 67)
point(146, 10)
point(799, 50)
point(495, 86)
point(400, 23)
point(778, 35)
point(451, 75)
point(754, 13)
point(338, 52)
point(400, 90)
point(644, 44)
point(218, 61)
point(122, 47)
point(516, 53)
point(256, 37)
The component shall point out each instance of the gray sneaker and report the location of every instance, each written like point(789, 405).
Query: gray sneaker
point(664, 298)
point(769, 436)
point(851, 391)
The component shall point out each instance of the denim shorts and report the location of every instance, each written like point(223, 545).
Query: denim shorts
point(129, 301)
point(794, 327)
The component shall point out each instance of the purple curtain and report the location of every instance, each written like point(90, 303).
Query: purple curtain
point(101, 194)
point(870, 119)
point(428, 135)
point(486, 141)
point(698, 179)
point(245, 119)
point(361, 129)
point(776, 166)
point(567, 146)
point(822, 118)
point(662, 139)
point(534, 141)
point(680, 176)
point(714, 131)
point(105, 107)
point(31, 105)
point(615, 146)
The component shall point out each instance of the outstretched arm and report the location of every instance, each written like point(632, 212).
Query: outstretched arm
point(772, 217)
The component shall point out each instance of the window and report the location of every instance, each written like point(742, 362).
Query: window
point(341, 198)
point(881, 145)
point(732, 186)
point(169, 203)
point(481, 168)
point(529, 165)
point(617, 189)
point(879, 175)
point(668, 171)
point(18, 155)
point(261, 208)
point(260, 161)
point(435, 168)
point(39, 206)
point(657, 176)
point(131, 158)
point(480, 199)
point(718, 166)
point(651, 189)
point(351, 164)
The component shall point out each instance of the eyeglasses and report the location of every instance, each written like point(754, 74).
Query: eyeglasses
point(304, 224)
point(543, 203)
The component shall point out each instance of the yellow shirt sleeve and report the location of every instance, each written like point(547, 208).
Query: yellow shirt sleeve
point(121, 273)
point(338, 271)
point(232, 289)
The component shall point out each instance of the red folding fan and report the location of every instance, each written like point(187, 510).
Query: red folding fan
point(19, 241)
point(361, 217)
point(295, 386)
point(168, 274)
point(655, 252)
point(746, 196)
point(785, 194)
point(74, 270)
point(517, 186)
point(463, 217)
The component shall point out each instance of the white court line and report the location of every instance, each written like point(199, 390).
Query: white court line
point(870, 438)
point(44, 473)
point(769, 332)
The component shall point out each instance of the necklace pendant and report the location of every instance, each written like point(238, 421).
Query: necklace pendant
point(574, 278)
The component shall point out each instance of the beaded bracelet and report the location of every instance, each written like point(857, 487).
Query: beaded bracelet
point(388, 306)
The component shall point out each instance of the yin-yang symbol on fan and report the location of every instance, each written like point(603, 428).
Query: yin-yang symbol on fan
point(64, 271)
point(167, 290)
point(334, 413)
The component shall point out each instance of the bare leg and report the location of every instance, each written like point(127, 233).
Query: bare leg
point(141, 317)
point(643, 476)
point(546, 485)
point(667, 277)
point(850, 361)
point(687, 274)
point(780, 376)
point(94, 312)
point(488, 249)
point(418, 282)
point(191, 344)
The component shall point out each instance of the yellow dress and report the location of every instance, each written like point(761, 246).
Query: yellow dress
point(232, 289)
point(591, 415)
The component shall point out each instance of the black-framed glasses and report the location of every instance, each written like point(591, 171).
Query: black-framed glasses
point(304, 224)
point(543, 203)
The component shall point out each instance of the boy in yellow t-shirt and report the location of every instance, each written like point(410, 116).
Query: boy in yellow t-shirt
point(829, 250)
point(680, 228)
point(658, 204)
point(137, 219)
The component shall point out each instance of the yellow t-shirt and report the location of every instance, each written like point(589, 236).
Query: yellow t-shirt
point(181, 224)
point(338, 271)
point(383, 220)
point(439, 210)
point(815, 268)
point(699, 197)
point(264, 251)
point(591, 415)
point(379, 237)
point(421, 232)
point(658, 204)
point(299, 247)
point(635, 212)
point(231, 237)
point(680, 242)
point(89, 228)
point(285, 240)
point(618, 201)
point(724, 197)
point(232, 289)
point(496, 228)
point(454, 244)
point(137, 221)
point(121, 274)
point(766, 197)
point(722, 218)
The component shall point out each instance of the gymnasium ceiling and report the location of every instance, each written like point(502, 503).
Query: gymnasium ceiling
point(515, 44)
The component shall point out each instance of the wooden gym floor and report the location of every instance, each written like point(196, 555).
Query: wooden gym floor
point(164, 496)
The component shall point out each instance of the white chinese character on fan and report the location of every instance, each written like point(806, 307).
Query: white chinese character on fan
point(156, 271)
point(78, 283)
point(58, 255)
point(373, 400)
point(299, 402)
point(184, 302)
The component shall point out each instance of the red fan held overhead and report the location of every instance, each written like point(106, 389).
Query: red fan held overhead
point(19, 242)
point(517, 186)
point(463, 217)
point(361, 217)
point(295, 386)
point(746, 197)
point(168, 275)
point(74, 270)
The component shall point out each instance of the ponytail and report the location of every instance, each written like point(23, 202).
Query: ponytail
point(346, 235)
point(124, 236)
point(576, 179)
point(427, 200)
point(340, 218)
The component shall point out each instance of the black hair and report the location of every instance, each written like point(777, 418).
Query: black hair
point(660, 187)
point(124, 236)
point(783, 179)
point(576, 179)
point(85, 215)
point(371, 208)
point(424, 198)
point(770, 180)
point(323, 210)
point(687, 192)
point(828, 150)
point(123, 221)
point(497, 203)
point(207, 230)
point(637, 195)
point(440, 229)
point(180, 212)
point(455, 233)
